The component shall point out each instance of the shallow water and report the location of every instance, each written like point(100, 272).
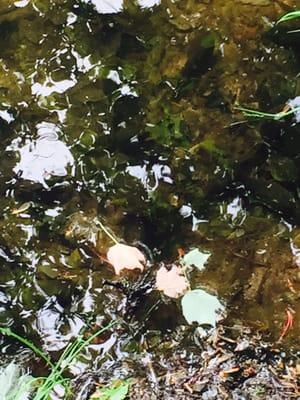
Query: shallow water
point(128, 114)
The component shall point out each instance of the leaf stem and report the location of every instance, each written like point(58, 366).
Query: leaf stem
point(108, 233)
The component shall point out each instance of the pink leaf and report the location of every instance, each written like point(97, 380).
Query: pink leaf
point(121, 256)
point(172, 282)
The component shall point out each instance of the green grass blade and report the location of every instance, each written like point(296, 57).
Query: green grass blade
point(66, 359)
point(289, 16)
point(27, 343)
point(248, 112)
point(68, 356)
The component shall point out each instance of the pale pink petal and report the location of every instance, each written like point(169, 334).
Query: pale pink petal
point(171, 282)
point(121, 256)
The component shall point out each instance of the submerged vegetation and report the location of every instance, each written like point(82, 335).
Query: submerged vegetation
point(22, 386)
point(135, 188)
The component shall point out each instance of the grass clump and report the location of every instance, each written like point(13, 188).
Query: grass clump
point(56, 377)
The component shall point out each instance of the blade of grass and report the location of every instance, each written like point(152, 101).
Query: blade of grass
point(248, 112)
point(289, 16)
point(8, 332)
point(68, 356)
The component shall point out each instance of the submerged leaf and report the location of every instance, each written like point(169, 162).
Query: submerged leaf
point(121, 256)
point(201, 307)
point(172, 282)
point(196, 257)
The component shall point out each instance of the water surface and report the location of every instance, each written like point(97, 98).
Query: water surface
point(126, 113)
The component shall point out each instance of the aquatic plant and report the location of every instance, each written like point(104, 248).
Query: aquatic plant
point(67, 358)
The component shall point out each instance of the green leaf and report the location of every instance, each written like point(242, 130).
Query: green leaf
point(197, 258)
point(201, 307)
point(116, 391)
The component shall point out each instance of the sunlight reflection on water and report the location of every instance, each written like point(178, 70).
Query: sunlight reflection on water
point(47, 156)
point(115, 6)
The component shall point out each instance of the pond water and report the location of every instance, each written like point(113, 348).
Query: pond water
point(125, 111)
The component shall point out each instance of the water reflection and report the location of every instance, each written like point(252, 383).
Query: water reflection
point(50, 86)
point(150, 177)
point(43, 158)
point(50, 323)
point(106, 6)
point(115, 6)
point(21, 3)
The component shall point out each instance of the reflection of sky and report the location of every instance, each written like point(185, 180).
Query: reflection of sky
point(51, 86)
point(235, 209)
point(295, 103)
point(4, 114)
point(48, 323)
point(106, 6)
point(114, 6)
point(158, 172)
point(21, 3)
point(45, 157)
point(148, 3)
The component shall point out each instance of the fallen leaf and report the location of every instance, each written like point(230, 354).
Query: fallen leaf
point(289, 322)
point(201, 307)
point(121, 256)
point(24, 207)
point(226, 373)
point(196, 257)
point(171, 282)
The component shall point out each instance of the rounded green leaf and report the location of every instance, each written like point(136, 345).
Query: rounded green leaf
point(201, 307)
point(197, 258)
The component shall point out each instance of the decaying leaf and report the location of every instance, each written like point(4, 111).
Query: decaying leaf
point(121, 256)
point(173, 283)
point(23, 208)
